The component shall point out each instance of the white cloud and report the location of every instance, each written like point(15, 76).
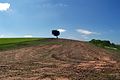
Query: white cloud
point(61, 5)
point(4, 6)
point(86, 32)
point(29, 36)
point(61, 30)
point(51, 5)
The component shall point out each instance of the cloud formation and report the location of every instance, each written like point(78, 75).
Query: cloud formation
point(4, 6)
point(85, 32)
point(61, 30)
point(51, 5)
point(28, 36)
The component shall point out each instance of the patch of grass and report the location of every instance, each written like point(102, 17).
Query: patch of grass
point(16, 40)
point(13, 43)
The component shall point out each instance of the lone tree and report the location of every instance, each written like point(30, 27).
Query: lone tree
point(56, 33)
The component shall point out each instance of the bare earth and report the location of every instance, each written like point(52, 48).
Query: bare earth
point(72, 60)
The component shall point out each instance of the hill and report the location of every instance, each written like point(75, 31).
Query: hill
point(57, 59)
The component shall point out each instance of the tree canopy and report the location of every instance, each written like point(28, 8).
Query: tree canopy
point(103, 43)
point(56, 33)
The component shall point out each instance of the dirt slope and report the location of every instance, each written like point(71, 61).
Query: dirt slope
point(71, 60)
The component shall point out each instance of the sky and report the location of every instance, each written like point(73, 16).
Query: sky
point(75, 19)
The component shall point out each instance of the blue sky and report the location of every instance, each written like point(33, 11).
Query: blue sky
point(76, 19)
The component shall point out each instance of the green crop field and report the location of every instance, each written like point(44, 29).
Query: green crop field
point(16, 40)
point(13, 43)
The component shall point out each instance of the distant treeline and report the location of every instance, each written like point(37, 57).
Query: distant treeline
point(105, 44)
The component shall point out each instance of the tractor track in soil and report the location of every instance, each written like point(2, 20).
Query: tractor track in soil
point(72, 60)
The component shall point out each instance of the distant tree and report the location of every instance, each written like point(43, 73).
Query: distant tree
point(104, 43)
point(56, 33)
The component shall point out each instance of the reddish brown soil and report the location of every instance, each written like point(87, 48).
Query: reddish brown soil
point(71, 60)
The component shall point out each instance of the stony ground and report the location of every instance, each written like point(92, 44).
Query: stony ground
point(71, 60)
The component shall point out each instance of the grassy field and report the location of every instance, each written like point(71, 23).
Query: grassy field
point(16, 40)
point(13, 43)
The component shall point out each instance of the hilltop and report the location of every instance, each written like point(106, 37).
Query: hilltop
point(57, 59)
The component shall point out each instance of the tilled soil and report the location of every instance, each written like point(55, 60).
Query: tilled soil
point(72, 60)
